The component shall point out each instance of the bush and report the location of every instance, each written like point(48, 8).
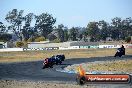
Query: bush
point(56, 40)
point(30, 40)
point(128, 39)
point(25, 44)
point(19, 44)
point(38, 39)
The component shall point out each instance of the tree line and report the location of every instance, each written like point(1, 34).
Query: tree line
point(41, 27)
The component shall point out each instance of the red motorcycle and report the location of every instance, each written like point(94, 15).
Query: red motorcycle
point(47, 63)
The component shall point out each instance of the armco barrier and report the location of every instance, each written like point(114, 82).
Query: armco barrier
point(90, 46)
point(116, 46)
point(94, 46)
point(37, 49)
point(84, 47)
point(51, 48)
point(31, 49)
point(68, 48)
point(109, 46)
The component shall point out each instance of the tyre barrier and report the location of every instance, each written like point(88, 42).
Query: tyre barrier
point(90, 46)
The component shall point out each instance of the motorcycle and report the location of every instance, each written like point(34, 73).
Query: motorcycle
point(56, 60)
point(120, 52)
point(61, 57)
point(47, 63)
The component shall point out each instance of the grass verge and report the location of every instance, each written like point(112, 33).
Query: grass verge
point(40, 55)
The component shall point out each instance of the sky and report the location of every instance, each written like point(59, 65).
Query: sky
point(71, 12)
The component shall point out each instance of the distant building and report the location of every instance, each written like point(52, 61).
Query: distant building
point(53, 35)
point(109, 39)
point(6, 45)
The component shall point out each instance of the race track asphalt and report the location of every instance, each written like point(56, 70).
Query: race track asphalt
point(33, 70)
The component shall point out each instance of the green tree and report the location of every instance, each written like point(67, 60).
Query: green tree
point(44, 23)
point(15, 18)
point(84, 34)
point(126, 27)
point(104, 30)
point(2, 28)
point(51, 37)
point(31, 39)
point(128, 39)
point(93, 31)
point(4, 37)
point(66, 36)
point(28, 31)
point(116, 28)
point(56, 40)
point(60, 31)
point(79, 33)
point(73, 33)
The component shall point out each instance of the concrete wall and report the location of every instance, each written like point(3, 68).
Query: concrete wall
point(43, 45)
point(11, 49)
point(79, 43)
point(64, 44)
